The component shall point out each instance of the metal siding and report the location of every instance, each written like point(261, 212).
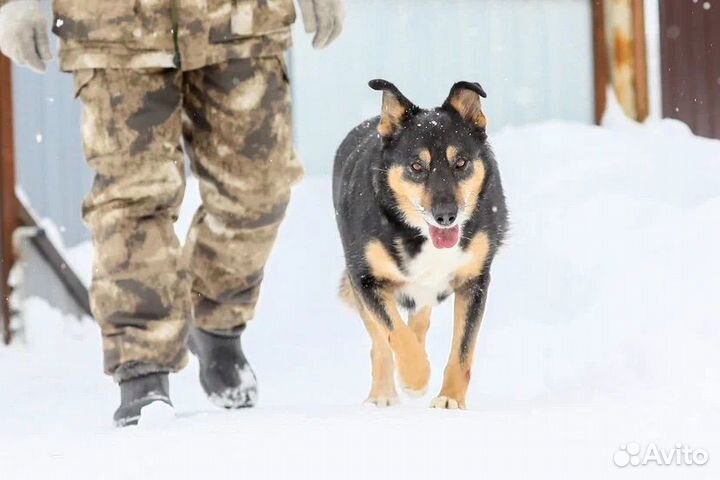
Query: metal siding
point(51, 169)
point(534, 58)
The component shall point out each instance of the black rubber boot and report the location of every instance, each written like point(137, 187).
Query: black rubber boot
point(225, 373)
point(140, 392)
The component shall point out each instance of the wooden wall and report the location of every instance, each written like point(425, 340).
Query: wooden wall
point(8, 207)
point(690, 52)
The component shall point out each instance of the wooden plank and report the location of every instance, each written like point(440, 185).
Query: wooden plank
point(8, 207)
point(690, 58)
point(600, 59)
point(668, 58)
point(711, 104)
point(697, 82)
point(640, 69)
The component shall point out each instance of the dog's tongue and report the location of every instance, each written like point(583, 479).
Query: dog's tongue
point(444, 237)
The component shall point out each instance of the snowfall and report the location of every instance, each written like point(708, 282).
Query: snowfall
point(602, 335)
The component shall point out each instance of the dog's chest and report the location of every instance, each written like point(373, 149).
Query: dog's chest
point(430, 274)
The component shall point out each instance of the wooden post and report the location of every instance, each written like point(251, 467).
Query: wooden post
point(620, 56)
point(600, 59)
point(640, 77)
point(8, 206)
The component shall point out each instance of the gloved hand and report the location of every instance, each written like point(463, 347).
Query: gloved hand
point(325, 18)
point(24, 34)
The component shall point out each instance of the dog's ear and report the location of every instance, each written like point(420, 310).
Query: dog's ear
point(396, 108)
point(464, 98)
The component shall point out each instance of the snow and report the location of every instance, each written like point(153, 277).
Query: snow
point(601, 331)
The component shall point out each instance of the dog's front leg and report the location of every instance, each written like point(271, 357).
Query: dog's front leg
point(469, 309)
point(419, 322)
point(380, 309)
point(382, 392)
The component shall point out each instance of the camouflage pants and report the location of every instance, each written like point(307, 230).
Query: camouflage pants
point(233, 120)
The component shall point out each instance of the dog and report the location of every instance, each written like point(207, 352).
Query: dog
point(421, 214)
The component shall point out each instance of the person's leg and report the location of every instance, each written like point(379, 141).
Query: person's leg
point(239, 139)
point(131, 131)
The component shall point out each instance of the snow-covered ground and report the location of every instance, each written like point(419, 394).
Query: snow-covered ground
point(603, 328)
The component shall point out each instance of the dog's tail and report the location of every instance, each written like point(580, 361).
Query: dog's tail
point(346, 292)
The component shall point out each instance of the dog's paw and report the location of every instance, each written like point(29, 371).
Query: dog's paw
point(414, 374)
point(412, 393)
point(382, 401)
point(447, 403)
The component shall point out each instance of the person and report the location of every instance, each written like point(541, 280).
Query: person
point(157, 78)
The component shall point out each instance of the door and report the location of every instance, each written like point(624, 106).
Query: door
point(690, 52)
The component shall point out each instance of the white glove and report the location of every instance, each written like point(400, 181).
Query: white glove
point(324, 18)
point(24, 34)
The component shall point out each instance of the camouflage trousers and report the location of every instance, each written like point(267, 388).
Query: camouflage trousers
point(233, 121)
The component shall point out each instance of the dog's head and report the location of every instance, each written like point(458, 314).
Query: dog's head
point(433, 159)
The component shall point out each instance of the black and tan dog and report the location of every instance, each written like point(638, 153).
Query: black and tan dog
point(421, 213)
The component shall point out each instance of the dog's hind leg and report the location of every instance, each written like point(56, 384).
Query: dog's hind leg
point(419, 323)
point(469, 309)
point(382, 392)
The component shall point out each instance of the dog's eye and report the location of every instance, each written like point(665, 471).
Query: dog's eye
point(460, 164)
point(417, 167)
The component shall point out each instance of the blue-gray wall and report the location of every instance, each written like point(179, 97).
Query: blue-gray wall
point(50, 165)
point(534, 58)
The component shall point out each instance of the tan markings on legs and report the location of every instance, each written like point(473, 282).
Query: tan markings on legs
point(412, 361)
point(457, 372)
point(413, 364)
point(478, 249)
point(419, 324)
point(382, 392)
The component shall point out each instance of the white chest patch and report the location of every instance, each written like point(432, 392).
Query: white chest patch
point(429, 274)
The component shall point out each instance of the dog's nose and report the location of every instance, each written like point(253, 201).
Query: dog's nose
point(445, 214)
